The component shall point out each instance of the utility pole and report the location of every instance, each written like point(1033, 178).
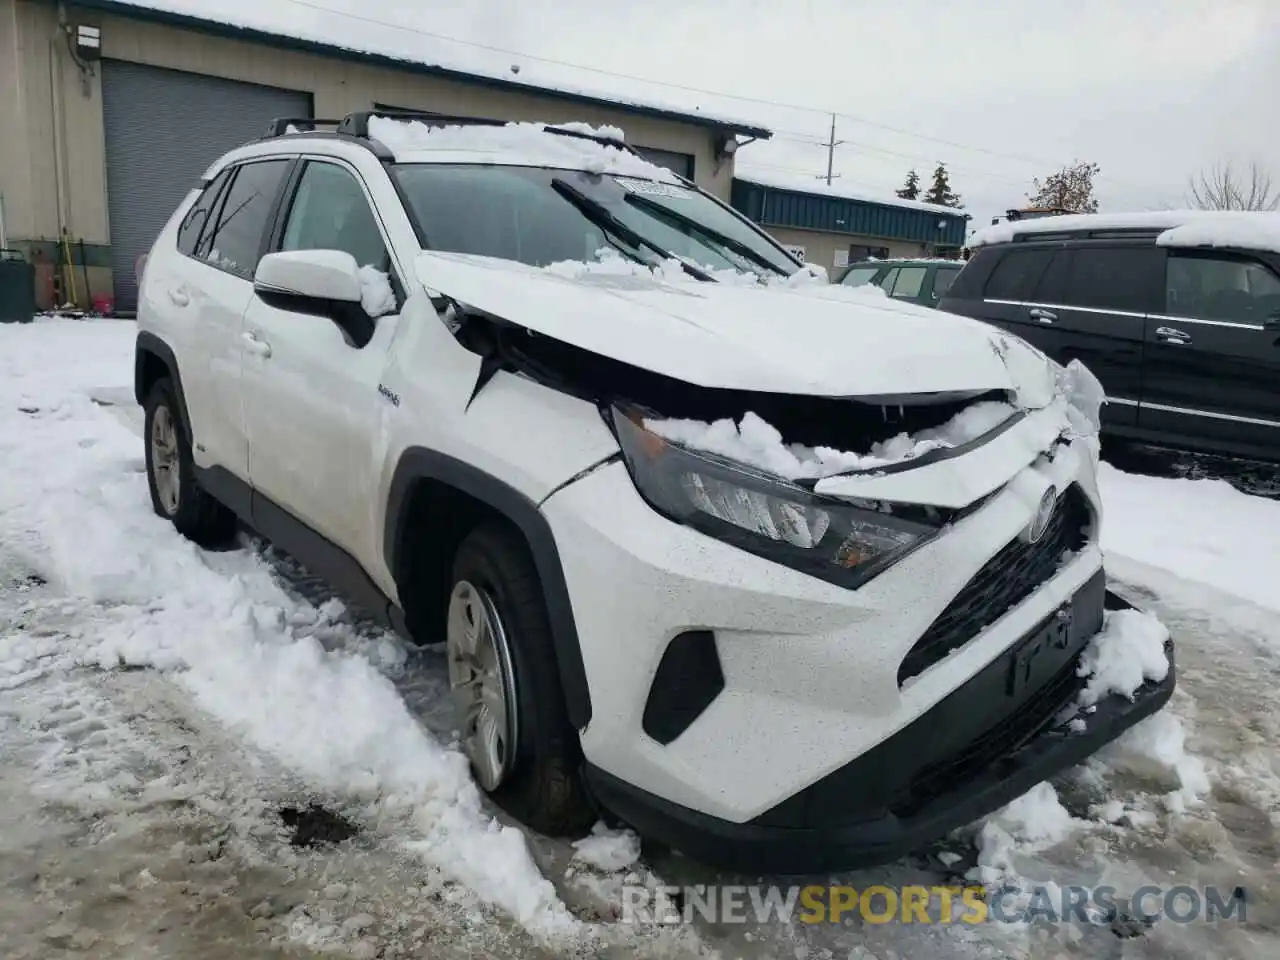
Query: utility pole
point(831, 145)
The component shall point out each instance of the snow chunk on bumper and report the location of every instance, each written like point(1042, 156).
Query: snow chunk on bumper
point(1125, 654)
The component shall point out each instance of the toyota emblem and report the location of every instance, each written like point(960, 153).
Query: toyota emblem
point(1044, 513)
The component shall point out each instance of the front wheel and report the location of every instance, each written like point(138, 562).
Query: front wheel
point(505, 684)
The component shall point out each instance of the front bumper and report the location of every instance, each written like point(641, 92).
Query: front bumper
point(922, 782)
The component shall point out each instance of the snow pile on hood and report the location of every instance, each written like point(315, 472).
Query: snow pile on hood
point(609, 263)
point(517, 144)
point(754, 442)
point(1126, 653)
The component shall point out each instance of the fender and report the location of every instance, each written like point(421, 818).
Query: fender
point(418, 463)
point(150, 345)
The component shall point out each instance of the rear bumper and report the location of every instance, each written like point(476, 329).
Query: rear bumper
point(919, 798)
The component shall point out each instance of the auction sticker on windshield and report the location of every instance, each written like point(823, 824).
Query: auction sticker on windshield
point(652, 188)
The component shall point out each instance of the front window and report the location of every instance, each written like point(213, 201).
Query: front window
point(538, 216)
point(1224, 288)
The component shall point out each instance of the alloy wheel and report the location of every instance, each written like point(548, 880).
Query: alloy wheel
point(482, 683)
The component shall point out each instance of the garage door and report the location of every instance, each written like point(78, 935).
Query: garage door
point(163, 129)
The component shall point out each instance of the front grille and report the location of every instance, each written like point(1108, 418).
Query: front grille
point(1004, 581)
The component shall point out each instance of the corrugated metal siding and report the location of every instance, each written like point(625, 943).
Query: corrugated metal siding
point(162, 129)
point(772, 207)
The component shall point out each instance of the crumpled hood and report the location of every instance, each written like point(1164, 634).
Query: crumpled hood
point(819, 340)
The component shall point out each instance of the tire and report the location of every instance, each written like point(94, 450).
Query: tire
point(191, 510)
point(542, 786)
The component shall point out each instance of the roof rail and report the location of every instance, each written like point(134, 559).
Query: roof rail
point(357, 124)
point(280, 125)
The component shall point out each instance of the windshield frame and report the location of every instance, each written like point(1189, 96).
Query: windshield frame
point(420, 233)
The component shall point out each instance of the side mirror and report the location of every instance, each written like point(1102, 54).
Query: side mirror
point(312, 278)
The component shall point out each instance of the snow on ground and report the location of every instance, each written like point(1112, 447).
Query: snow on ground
point(133, 801)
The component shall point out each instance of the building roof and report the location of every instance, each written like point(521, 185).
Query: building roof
point(819, 189)
point(775, 202)
point(1176, 228)
point(274, 23)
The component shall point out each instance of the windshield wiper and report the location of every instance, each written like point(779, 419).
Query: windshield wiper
point(600, 215)
point(737, 246)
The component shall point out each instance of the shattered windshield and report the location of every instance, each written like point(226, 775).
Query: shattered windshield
point(538, 216)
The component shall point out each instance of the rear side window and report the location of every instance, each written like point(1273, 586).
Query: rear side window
point(908, 283)
point(1114, 278)
point(943, 279)
point(233, 242)
point(198, 215)
point(1016, 275)
point(1217, 287)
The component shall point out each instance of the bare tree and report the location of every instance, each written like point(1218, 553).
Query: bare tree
point(1222, 187)
point(1071, 188)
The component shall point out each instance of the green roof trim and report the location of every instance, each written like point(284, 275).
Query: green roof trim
point(771, 206)
point(282, 42)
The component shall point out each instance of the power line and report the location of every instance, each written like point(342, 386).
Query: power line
point(667, 83)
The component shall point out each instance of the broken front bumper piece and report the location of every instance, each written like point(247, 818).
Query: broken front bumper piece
point(984, 745)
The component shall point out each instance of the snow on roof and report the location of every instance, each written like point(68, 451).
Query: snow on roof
point(797, 185)
point(514, 144)
point(276, 19)
point(1179, 228)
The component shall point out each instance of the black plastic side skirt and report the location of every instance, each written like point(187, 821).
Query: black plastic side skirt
point(317, 553)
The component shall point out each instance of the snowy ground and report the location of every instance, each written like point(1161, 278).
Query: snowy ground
point(160, 706)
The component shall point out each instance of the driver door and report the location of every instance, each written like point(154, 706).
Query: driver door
point(311, 402)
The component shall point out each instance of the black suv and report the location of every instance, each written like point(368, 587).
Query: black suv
point(1185, 339)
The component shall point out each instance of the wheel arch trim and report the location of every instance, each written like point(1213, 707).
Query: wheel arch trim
point(419, 463)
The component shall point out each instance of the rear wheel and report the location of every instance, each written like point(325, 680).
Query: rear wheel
point(176, 494)
point(506, 689)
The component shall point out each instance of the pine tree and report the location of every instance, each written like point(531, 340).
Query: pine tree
point(911, 189)
point(940, 190)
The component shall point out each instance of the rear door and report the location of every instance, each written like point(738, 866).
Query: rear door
point(210, 286)
point(1091, 304)
point(1213, 353)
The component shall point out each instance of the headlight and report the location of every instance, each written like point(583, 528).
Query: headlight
point(763, 514)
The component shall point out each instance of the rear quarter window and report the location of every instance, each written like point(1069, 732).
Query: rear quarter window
point(973, 275)
point(1016, 275)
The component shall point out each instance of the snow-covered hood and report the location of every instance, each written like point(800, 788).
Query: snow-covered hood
point(818, 340)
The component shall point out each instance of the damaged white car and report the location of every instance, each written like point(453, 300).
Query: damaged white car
point(789, 576)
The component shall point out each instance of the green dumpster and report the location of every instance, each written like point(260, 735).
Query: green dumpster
point(17, 288)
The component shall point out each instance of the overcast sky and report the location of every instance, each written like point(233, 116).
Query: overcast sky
point(1001, 90)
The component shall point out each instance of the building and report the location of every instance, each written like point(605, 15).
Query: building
point(833, 227)
point(112, 109)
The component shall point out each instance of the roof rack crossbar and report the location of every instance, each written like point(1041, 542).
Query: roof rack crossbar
point(357, 124)
point(280, 125)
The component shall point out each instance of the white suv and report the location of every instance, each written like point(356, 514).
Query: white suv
point(786, 575)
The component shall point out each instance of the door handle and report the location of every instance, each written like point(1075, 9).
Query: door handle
point(254, 345)
point(1043, 315)
point(1171, 335)
point(179, 296)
